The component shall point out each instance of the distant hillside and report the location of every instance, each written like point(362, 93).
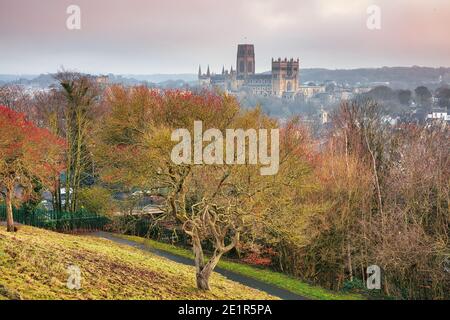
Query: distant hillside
point(160, 81)
point(15, 77)
point(158, 78)
point(34, 262)
point(397, 76)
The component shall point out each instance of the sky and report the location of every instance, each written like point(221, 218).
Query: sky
point(175, 36)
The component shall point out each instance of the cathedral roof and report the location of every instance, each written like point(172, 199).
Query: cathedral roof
point(261, 76)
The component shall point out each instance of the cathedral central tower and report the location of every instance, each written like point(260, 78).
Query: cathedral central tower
point(245, 64)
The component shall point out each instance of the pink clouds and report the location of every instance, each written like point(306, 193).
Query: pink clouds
point(166, 36)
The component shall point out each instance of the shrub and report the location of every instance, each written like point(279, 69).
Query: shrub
point(96, 200)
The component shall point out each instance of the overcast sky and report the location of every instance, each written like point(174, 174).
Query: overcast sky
point(175, 36)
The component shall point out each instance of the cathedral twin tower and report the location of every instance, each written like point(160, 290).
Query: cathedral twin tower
point(281, 82)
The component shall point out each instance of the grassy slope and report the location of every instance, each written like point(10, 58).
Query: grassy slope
point(33, 265)
point(268, 276)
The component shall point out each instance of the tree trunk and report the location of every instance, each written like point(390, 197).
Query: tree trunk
point(68, 182)
point(9, 212)
point(203, 271)
point(58, 194)
point(203, 279)
point(349, 259)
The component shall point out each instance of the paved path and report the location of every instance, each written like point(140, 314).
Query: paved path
point(249, 282)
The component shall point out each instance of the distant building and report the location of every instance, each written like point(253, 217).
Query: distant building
point(360, 90)
point(285, 77)
point(245, 61)
point(204, 79)
point(439, 115)
point(309, 91)
point(282, 81)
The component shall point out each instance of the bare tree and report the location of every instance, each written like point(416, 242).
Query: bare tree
point(80, 94)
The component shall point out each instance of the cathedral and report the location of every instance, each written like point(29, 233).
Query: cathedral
point(282, 81)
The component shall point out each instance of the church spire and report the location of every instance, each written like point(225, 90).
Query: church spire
point(223, 70)
point(207, 72)
point(199, 70)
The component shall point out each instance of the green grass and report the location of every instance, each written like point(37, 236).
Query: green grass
point(268, 276)
point(34, 262)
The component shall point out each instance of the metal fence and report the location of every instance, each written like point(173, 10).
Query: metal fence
point(58, 221)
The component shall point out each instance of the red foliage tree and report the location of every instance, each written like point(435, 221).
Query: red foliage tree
point(27, 154)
